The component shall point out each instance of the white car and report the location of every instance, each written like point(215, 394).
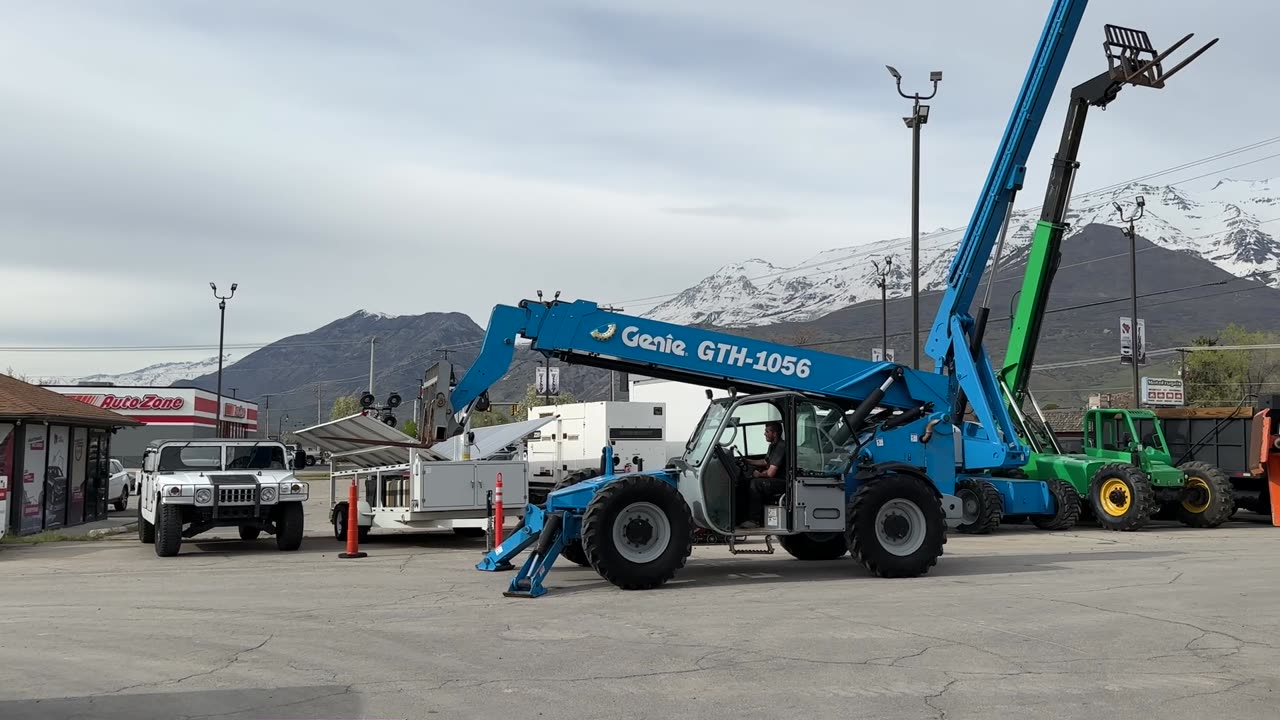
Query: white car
point(119, 486)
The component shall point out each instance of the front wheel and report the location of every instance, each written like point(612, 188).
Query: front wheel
point(1208, 500)
point(815, 546)
point(897, 526)
point(289, 521)
point(168, 530)
point(1121, 497)
point(637, 532)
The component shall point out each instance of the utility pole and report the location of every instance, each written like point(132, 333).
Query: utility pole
point(222, 325)
point(546, 386)
point(372, 341)
point(319, 406)
point(1133, 293)
point(233, 392)
point(266, 415)
point(613, 374)
point(919, 116)
point(884, 304)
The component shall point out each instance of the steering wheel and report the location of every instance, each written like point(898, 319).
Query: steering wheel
point(732, 463)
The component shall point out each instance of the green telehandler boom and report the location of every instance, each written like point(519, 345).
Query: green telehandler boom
point(1123, 480)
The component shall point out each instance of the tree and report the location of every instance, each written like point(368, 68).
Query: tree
point(1221, 377)
point(410, 428)
point(16, 375)
point(493, 416)
point(344, 406)
point(532, 399)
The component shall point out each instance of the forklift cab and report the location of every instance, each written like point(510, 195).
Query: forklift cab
point(1110, 432)
point(810, 493)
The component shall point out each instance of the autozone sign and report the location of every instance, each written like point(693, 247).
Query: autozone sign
point(1162, 391)
point(150, 401)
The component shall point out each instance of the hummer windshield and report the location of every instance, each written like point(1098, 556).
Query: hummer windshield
point(261, 457)
point(179, 458)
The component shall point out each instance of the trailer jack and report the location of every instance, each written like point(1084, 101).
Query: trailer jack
point(549, 530)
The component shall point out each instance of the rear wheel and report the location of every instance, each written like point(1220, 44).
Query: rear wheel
point(637, 532)
point(1208, 500)
point(1121, 497)
point(896, 525)
point(146, 531)
point(981, 505)
point(1066, 507)
point(815, 546)
point(572, 550)
point(122, 502)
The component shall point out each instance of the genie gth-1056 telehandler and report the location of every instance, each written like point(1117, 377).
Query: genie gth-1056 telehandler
point(875, 452)
point(1124, 479)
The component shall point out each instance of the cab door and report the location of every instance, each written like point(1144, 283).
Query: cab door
point(821, 451)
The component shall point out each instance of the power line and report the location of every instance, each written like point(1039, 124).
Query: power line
point(1078, 196)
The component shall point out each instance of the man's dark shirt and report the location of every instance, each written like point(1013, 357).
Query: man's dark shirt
point(777, 456)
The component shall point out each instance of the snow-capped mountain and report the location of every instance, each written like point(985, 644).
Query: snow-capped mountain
point(159, 375)
point(1226, 225)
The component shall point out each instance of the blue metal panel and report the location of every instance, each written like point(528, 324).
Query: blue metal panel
point(1021, 497)
point(583, 334)
point(1007, 172)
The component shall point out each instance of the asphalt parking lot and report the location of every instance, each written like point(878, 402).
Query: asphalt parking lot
point(1169, 623)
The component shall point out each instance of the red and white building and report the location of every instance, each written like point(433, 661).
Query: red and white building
point(166, 413)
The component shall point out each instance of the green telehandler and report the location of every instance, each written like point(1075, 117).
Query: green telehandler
point(1123, 480)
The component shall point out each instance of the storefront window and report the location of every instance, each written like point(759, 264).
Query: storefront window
point(35, 442)
point(79, 475)
point(55, 477)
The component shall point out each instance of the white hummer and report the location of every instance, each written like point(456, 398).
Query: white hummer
point(189, 486)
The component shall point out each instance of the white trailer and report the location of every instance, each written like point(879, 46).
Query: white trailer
point(576, 434)
point(401, 485)
point(685, 405)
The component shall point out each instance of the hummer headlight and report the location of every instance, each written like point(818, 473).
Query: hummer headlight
point(204, 496)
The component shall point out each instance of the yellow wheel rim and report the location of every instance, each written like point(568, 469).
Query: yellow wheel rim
point(1115, 497)
point(1197, 484)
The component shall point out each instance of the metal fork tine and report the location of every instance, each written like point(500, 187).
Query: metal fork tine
point(1193, 56)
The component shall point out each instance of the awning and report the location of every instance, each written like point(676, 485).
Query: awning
point(491, 439)
point(366, 442)
point(363, 441)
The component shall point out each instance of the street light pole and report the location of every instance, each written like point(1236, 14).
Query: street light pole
point(884, 305)
point(919, 116)
point(222, 326)
point(1133, 293)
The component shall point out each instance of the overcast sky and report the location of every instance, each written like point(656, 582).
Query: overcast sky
point(418, 156)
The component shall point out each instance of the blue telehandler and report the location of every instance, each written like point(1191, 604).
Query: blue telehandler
point(877, 454)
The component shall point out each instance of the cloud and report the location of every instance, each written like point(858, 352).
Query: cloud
point(327, 157)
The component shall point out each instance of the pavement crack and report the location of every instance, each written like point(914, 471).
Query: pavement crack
point(178, 681)
point(930, 699)
point(1182, 623)
point(1207, 693)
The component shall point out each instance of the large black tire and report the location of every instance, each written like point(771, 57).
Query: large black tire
point(146, 531)
point(572, 550)
point(647, 512)
point(340, 517)
point(981, 504)
point(1121, 497)
point(1208, 498)
point(168, 530)
point(1066, 507)
point(815, 546)
point(289, 526)
point(896, 509)
point(249, 532)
